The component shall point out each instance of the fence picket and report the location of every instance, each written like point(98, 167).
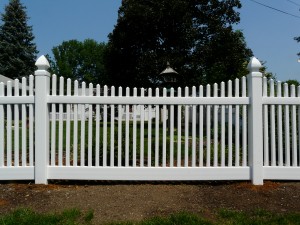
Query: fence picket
point(82, 128)
point(53, 123)
point(149, 129)
point(223, 126)
point(194, 129)
point(134, 130)
point(171, 119)
point(9, 126)
point(24, 124)
point(266, 124)
point(201, 128)
point(186, 131)
point(68, 124)
point(16, 124)
point(179, 130)
point(294, 129)
point(112, 129)
point(142, 127)
point(97, 131)
point(104, 163)
point(164, 131)
point(75, 128)
point(120, 130)
point(157, 130)
point(216, 141)
point(60, 124)
point(273, 128)
point(279, 127)
point(31, 122)
point(229, 125)
point(237, 125)
point(287, 127)
point(90, 128)
point(244, 126)
point(208, 132)
point(127, 130)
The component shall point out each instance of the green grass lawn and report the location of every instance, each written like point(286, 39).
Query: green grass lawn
point(178, 141)
point(74, 216)
point(29, 217)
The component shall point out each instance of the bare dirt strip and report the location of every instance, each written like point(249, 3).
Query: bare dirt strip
point(115, 201)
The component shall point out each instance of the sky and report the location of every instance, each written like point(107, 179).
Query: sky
point(269, 33)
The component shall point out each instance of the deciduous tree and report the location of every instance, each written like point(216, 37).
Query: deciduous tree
point(292, 82)
point(82, 61)
point(196, 36)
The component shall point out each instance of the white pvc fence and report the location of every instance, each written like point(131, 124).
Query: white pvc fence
point(233, 131)
point(281, 115)
point(184, 139)
point(17, 130)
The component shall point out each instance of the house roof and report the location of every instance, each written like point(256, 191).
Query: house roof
point(5, 79)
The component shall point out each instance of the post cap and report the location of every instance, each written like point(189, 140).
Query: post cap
point(254, 65)
point(42, 63)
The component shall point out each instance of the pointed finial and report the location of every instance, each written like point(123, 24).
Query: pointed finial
point(254, 65)
point(42, 63)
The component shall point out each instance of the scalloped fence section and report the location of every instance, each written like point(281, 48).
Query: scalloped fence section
point(246, 129)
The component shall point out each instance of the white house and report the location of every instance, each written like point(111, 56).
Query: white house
point(4, 80)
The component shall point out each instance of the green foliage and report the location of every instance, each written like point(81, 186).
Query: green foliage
point(29, 217)
point(145, 141)
point(82, 61)
point(228, 217)
point(195, 36)
point(17, 49)
point(298, 40)
point(74, 216)
point(265, 73)
point(89, 216)
point(292, 82)
point(258, 217)
point(180, 218)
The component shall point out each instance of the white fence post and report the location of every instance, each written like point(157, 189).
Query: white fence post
point(42, 87)
point(255, 122)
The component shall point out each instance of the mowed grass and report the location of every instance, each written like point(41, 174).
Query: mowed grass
point(29, 217)
point(180, 143)
point(74, 216)
point(143, 140)
point(226, 217)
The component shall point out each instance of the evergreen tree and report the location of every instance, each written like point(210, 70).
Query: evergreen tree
point(17, 49)
point(196, 37)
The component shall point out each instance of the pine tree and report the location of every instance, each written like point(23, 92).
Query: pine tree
point(17, 49)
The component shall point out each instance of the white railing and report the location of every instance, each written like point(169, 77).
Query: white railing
point(233, 131)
